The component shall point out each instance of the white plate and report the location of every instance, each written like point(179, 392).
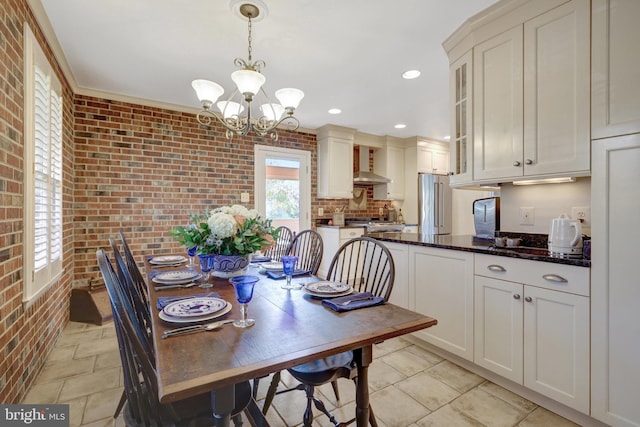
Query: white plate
point(194, 307)
point(176, 320)
point(176, 275)
point(167, 259)
point(176, 282)
point(327, 288)
point(272, 266)
point(324, 296)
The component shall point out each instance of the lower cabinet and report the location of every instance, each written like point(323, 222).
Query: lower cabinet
point(332, 239)
point(400, 292)
point(532, 326)
point(442, 284)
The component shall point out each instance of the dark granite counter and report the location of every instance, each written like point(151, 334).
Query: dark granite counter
point(468, 244)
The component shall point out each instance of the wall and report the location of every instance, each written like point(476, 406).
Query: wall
point(549, 201)
point(26, 335)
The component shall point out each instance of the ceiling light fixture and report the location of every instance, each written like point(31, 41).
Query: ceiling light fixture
point(335, 111)
point(411, 74)
point(249, 81)
point(400, 126)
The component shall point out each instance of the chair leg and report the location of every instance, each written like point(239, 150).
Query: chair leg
point(307, 418)
point(273, 387)
point(123, 400)
point(254, 391)
point(372, 418)
point(237, 420)
point(334, 385)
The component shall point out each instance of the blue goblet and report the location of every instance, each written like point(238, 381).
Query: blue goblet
point(206, 265)
point(192, 253)
point(288, 266)
point(243, 286)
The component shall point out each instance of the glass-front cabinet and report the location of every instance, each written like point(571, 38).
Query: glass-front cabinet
point(461, 92)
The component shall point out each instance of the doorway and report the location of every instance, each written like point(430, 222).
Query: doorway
point(283, 186)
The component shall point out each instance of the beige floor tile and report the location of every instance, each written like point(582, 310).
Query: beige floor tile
point(389, 346)
point(382, 375)
point(455, 376)
point(544, 418)
point(108, 330)
point(83, 385)
point(66, 369)
point(74, 327)
point(428, 391)
point(291, 406)
point(448, 417)
point(105, 422)
point(79, 337)
point(76, 410)
point(396, 408)
point(488, 409)
point(432, 358)
point(91, 348)
point(59, 354)
point(43, 393)
point(108, 359)
point(509, 397)
point(346, 388)
point(101, 405)
point(407, 362)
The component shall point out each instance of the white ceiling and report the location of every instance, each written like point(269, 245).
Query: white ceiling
point(347, 54)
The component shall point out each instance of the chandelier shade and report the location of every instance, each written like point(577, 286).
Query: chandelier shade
point(249, 81)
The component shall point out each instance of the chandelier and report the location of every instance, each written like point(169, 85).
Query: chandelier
point(249, 81)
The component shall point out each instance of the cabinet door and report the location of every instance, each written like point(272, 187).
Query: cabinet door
point(335, 168)
point(461, 96)
point(389, 162)
point(425, 160)
point(330, 244)
point(556, 91)
point(400, 292)
point(497, 98)
point(498, 327)
point(615, 92)
point(615, 318)
point(556, 346)
point(443, 284)
point(441, 162)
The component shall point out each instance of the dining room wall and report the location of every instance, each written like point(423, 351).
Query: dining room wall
point(27, 333)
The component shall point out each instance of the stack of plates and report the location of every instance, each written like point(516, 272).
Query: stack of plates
point(167, 260)
point(325, 289)
point(191, 310)
point(177, 277)
point(271, 266)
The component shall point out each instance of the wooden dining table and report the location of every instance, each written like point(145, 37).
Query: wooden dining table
point(291, 328)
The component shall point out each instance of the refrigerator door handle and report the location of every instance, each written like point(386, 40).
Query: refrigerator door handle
point(436, 213)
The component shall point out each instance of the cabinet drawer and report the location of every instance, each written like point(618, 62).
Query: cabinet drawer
point(558, 277)
point(351, 233)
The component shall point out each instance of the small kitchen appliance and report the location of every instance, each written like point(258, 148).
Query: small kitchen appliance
point(565, 237)
point(486, 217)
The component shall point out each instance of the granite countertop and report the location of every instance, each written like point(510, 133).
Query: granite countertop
point(469, 244)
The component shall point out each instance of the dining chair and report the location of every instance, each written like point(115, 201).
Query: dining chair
point(134, 271)
point(367, 265)
point(285, 236)
point(140, 377)
point(307, 246)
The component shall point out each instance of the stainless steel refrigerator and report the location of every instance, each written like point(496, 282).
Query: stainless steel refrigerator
point(434, 204)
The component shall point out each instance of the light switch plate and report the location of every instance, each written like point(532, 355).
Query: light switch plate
point(244, 197)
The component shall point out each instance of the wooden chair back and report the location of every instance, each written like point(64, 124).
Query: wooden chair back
point(307, 246)
point(285, 236)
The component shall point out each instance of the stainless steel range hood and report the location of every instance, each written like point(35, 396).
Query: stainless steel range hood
point(364, 175)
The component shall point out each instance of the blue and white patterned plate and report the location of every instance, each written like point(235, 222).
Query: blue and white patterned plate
point(194, 307)
point(191, 320)
point(327, 288)
point(167, 259)
point(176, 276)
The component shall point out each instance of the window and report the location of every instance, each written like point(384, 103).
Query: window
point(43, 171)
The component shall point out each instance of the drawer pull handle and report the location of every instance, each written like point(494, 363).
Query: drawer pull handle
point(554, 278)
point(496, 267)
point(516, 296)
point(528, 299)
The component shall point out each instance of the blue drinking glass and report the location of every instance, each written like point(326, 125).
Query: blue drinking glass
point(243, 286)
point(192, 253)
point(206, 265)
point(289, 266)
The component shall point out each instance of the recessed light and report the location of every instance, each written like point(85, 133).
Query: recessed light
point(447, 138)
point(335, 111)
point(410, 74)
point(400, 126)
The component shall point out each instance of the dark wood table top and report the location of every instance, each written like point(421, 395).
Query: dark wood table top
point(291, 328)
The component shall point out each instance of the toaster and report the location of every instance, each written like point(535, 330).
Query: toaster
point(486, 217)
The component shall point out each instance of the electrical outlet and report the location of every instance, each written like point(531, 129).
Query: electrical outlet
point(527, 216)
point(320, 211)
point(244, 197)
point(583, 213)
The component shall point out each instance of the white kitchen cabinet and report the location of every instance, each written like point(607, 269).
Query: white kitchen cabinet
point(442, 284)
point(332, 239)
point(400, 292)
point(531, 98)
point(615, 317)
point(335, 162)
point(532, 326)
point(461, 96)
point(389, 162)
point(615, 92)
point(433, 157)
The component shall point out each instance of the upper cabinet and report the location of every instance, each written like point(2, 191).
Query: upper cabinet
point(433, 157)
point(335, 162)
point(388, 161)
point(616, 67)
point(529, 96)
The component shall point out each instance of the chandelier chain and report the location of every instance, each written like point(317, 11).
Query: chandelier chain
point(249, 39)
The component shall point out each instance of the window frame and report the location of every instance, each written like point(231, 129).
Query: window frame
point(36, 282)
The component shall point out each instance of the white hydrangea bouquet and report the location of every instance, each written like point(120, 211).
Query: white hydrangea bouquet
point(227, 230)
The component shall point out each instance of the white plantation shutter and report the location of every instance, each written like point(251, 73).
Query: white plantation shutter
point(43, 174)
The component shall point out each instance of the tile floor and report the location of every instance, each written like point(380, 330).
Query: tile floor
point(410, 387)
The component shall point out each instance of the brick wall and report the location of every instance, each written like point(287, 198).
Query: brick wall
point(26, 336)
